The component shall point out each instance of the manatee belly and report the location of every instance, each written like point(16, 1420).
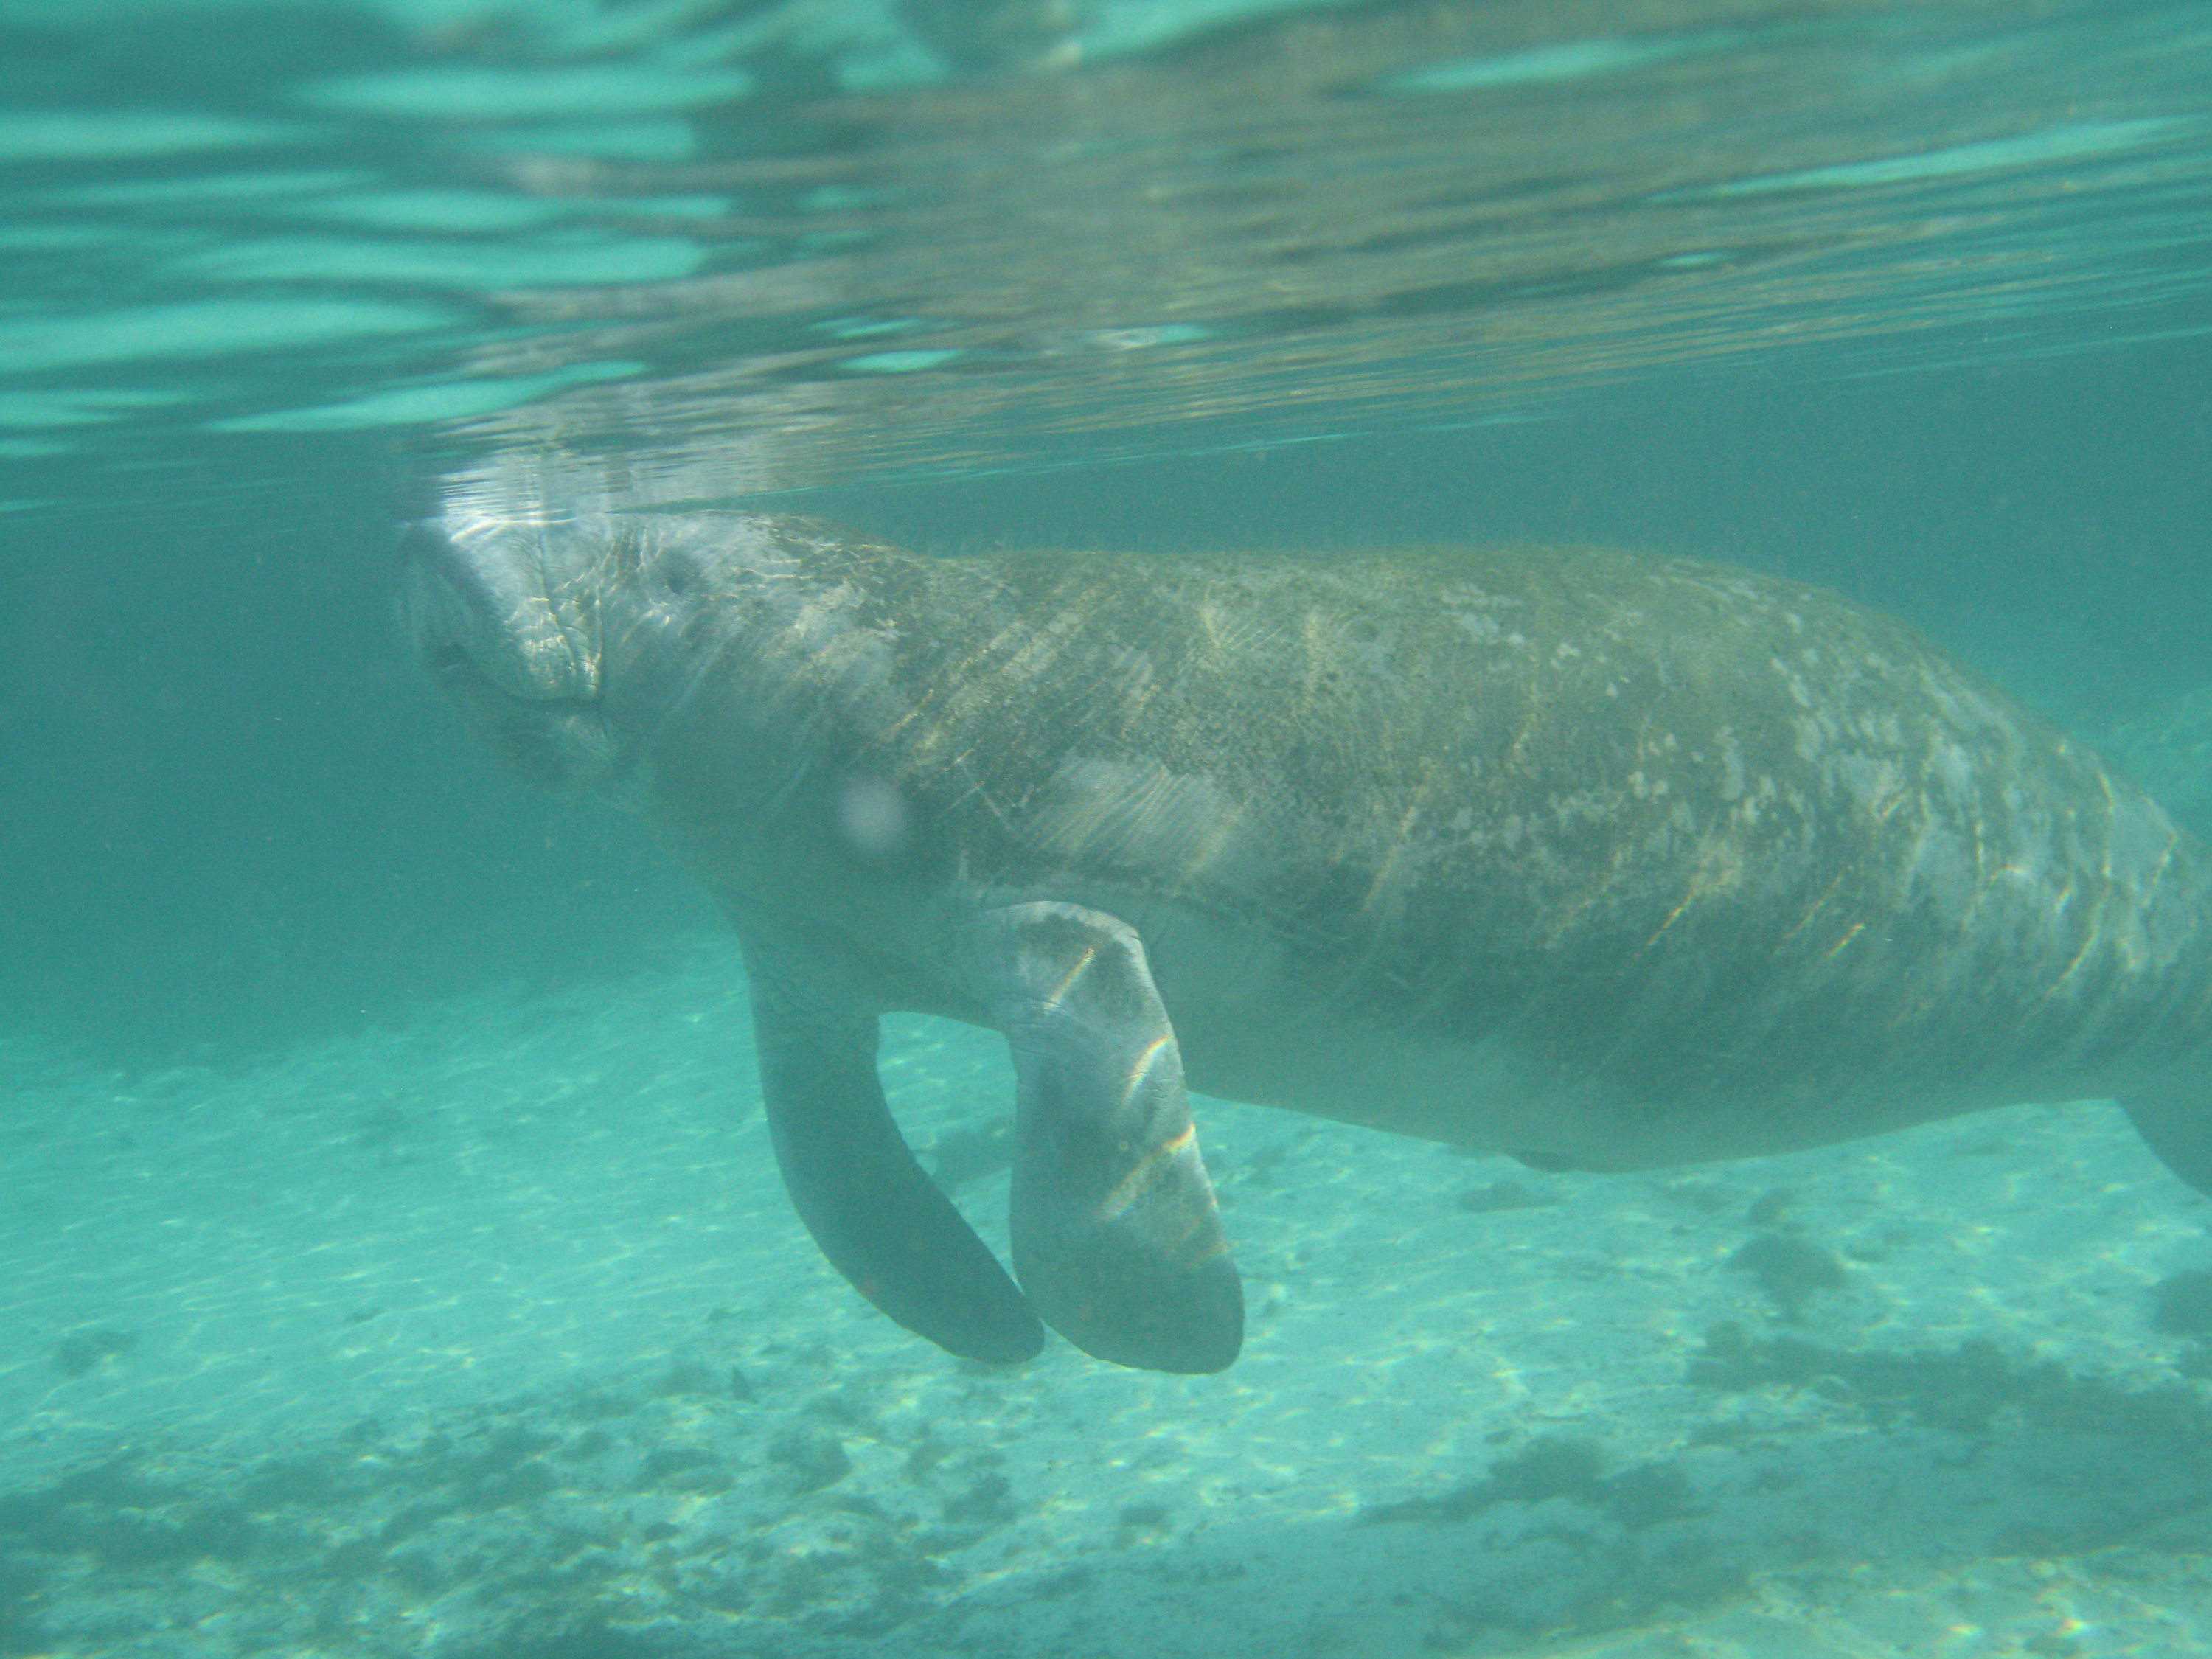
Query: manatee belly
point(1572, 1067)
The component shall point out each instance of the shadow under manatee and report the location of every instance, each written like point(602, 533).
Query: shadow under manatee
point(1931, 1464)
point(527, 1528)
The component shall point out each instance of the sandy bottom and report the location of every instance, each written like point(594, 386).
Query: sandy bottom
point(495, 1336)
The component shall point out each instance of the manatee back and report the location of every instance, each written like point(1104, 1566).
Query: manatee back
point(1726, 829)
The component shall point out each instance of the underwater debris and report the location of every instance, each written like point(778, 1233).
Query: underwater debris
point(988, 1503)
point(1502, 1195)
point(1141, 1523)
point(1965, 1390)
point(814, 1461)
point(1555, 1467)
point(1771, 1208)
point(688, 1377)
point(1707, 1197)
point(1789, 1270)
point(694, 1469)
point(85, 1351)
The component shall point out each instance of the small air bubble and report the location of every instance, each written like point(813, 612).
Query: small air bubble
point(873, 815)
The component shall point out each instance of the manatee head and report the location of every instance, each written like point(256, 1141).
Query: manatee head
point(568, 641)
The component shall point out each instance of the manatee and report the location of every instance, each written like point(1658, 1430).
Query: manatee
point(1609, 862)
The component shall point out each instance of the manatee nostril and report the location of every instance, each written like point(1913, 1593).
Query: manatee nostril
point(679, 575)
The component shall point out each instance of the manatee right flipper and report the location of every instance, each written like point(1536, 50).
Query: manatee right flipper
point(2177, 1125)
point(1116, 1236)
point(873, 1210)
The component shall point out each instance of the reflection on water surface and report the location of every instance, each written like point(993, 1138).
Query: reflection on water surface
point(769, 248)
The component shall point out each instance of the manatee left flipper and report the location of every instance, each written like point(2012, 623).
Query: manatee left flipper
point(1116, 1236)
point(871, 1207)
point(2177, 1125)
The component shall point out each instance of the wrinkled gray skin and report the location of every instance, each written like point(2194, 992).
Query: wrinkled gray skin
point(1607, 861)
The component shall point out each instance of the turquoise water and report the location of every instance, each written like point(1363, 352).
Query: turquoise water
point(394, 1261)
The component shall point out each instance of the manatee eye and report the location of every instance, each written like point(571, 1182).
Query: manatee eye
point(679, 575)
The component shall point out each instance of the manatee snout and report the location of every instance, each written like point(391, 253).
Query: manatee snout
point(504, 615)
point(495, 597)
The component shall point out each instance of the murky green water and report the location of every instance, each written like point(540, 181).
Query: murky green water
point(395, 1260)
